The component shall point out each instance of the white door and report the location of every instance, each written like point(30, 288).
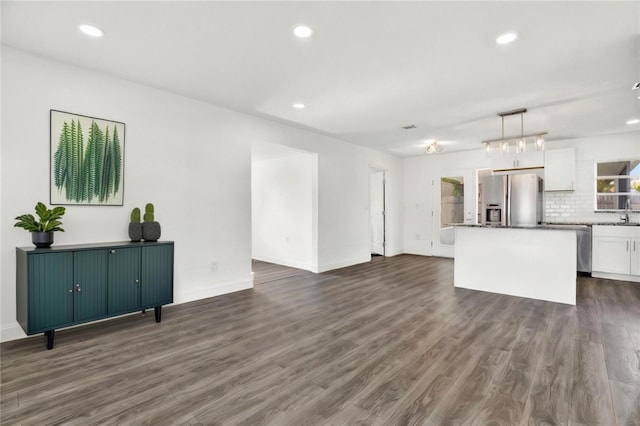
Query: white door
point(376, 211)
point(453, 198)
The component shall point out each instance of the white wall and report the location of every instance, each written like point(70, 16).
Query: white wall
point(421, 198)
point(283, 200)
point(573, 206)
point(192, 159)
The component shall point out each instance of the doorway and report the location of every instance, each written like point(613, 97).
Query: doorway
point(284, 204)
point(377, 220)
point(451, 202)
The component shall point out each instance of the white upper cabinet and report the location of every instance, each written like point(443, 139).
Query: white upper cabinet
point(521, 160)
point(560, 169)
point(531, 158)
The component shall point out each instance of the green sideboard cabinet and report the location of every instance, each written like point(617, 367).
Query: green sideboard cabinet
point(68, 285)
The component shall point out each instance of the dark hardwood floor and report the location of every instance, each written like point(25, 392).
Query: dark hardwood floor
point(391, 342)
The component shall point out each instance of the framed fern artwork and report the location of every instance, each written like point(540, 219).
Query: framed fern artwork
point(87, 160)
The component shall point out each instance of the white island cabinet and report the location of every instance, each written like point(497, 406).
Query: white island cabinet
point(616, 252)
point(535, 263)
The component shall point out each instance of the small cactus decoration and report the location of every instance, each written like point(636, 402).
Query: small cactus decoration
point(135, 227)
point(135, 215)
point(148, 213)
point(150, 228)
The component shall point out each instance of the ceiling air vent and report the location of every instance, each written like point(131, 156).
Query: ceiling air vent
point(410, 126)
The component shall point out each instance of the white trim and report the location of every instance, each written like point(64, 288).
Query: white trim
point(418, 251)
point(344, 263)
point(618, 277)
point(216, 290)
point(287, 262)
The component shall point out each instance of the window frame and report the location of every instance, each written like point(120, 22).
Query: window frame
point(625, 195)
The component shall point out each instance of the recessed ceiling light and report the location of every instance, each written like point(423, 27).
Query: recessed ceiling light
point(302, 31)
point(298, 105)
point(506, 38)
point(90, 30)
point(633, 121)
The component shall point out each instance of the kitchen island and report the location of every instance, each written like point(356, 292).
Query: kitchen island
point(536, 263)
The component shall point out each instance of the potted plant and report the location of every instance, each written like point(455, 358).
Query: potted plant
point(135, 226)
point(150, 228)
point(42, 230)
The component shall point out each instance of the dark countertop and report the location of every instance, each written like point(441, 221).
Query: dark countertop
point(594, 223)
point(548, 225)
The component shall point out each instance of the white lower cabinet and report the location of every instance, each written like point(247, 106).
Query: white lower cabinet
point(616, 252)
point(635, 257)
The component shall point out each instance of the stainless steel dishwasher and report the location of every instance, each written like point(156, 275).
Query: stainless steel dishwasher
point(583, 237)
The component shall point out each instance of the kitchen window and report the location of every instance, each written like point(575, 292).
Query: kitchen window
point(617, 183)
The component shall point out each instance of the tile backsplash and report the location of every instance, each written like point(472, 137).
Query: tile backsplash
point(576, 206)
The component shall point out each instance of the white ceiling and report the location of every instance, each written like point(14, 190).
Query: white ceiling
point(370, 67)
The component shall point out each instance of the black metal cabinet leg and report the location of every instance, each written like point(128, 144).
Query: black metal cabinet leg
point(50, 335)
point(158, 311)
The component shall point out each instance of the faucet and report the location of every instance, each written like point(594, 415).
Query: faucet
point(627, 208)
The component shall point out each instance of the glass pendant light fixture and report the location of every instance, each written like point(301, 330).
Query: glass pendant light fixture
point(519, 143)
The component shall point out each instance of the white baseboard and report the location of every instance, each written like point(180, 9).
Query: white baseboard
point(344, 263)
point(285, 262)
point(418, 251)
point(217, 290)
point(619, 277)
point(391, 253)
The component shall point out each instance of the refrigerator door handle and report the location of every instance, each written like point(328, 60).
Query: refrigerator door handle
point(508, 202)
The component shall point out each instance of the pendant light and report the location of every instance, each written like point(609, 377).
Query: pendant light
point(519, 143)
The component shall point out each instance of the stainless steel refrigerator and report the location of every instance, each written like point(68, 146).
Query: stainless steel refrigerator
point(512, 200)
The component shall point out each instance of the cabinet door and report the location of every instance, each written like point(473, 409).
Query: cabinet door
point(611, 254)
point(504, 161)
point(90, 284)
point(560, 169)
point(50, 291)
point(635, 257)
point(157, 275)
point(530, 158)
point(123, 283)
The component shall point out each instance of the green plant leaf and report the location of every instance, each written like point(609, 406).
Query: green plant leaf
point(49, 219)
point(28, 222)
point(41, 210)
point(117, 161)
point(57, 212)
point(60, 157)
